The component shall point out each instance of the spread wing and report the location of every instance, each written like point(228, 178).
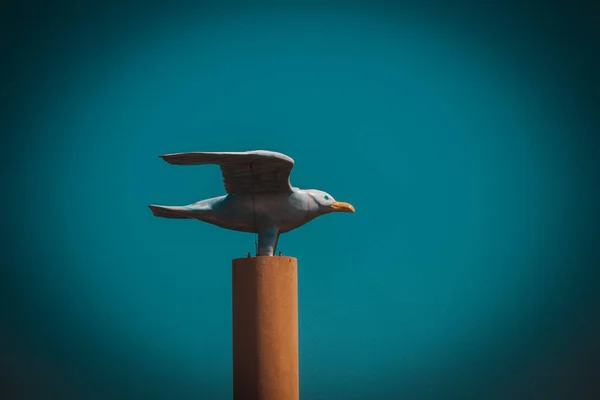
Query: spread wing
point(259, 171)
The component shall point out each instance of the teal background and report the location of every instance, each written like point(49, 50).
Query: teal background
point(463, 135)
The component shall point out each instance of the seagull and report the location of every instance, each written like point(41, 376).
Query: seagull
point(259, 199)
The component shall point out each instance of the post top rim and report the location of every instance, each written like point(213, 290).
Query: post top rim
point(266, 257)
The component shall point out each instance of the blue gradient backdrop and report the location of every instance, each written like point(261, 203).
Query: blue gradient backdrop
point(463, 135)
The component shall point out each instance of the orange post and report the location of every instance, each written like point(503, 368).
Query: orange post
point(265, 328)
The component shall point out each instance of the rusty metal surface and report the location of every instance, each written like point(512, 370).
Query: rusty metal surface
point(265, 328)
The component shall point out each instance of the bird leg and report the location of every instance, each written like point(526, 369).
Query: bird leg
point(267, 241)
point(276, 241)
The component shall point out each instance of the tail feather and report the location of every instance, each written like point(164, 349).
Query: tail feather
point(173, 212)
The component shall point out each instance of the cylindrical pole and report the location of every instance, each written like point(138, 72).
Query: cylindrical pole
point(265, 328)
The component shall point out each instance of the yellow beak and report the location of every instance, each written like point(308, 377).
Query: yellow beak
point(339, 206)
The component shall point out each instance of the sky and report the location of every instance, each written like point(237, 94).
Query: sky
point(463, 137)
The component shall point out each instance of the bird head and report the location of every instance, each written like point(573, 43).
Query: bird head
point(327, 204)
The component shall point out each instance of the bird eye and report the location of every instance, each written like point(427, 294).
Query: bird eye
point(326, 197)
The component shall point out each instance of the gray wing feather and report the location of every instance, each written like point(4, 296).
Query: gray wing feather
point(244, 172)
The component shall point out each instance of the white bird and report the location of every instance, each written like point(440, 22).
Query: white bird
point(260, 198)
